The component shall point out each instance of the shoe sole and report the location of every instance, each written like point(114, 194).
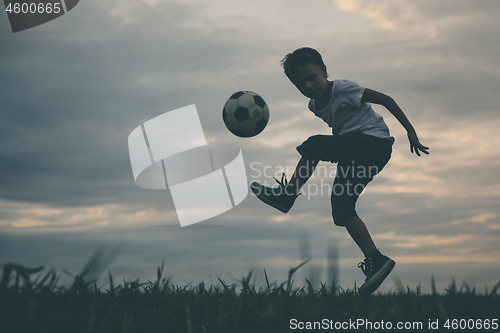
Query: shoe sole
point(258, 193)
point(371, 285)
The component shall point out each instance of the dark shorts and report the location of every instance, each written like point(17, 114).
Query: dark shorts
point(359, 158)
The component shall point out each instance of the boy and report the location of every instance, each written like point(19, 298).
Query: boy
point(360, 145)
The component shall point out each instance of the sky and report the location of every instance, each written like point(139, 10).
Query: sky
point(73, 89)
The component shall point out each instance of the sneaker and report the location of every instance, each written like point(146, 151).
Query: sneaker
point(276, 197)
point(376, 267)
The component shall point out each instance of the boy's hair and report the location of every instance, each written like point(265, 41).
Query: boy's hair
point(300, 58)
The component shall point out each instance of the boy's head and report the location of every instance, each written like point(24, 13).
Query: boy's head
point(305, 68)
point(301, 58)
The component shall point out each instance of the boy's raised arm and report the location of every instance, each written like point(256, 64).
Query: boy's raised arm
point(375, 97)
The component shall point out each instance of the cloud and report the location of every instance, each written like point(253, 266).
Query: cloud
point(370, 9)
point(439, 53)
point(44, 218)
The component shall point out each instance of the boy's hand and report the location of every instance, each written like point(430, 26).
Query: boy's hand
point(415, 145)
point(372, 96)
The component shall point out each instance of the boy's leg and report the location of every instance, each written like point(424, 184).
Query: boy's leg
point(376, 266)
point(303, 171)
point(359, 233)
point(351, 179)
point(283, 197)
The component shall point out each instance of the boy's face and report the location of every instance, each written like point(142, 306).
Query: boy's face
point(311, 81)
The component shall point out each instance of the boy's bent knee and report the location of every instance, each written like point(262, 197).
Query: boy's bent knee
point(339, 221)
point(313, 149)
point(343, 208)
point(342, 221)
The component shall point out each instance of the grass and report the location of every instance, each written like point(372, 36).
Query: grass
point(39, 305)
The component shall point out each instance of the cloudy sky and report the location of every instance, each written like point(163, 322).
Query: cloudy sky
point(72, 90)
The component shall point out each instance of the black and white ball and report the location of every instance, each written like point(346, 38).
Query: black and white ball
point(245, 114)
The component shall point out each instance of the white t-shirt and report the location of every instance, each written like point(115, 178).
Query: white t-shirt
point(346, 114)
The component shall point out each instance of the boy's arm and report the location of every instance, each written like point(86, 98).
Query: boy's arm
point(375, 97)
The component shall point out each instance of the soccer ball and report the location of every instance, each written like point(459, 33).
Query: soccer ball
point(245, 114)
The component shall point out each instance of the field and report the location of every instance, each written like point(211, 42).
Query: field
point(37, 304)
